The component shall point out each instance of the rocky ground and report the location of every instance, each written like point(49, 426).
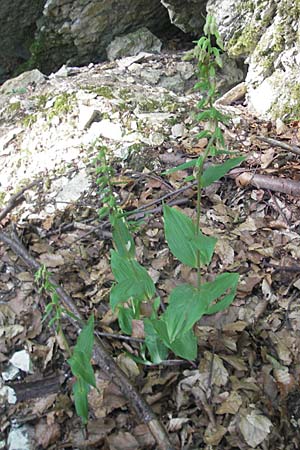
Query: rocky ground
point(243, 391)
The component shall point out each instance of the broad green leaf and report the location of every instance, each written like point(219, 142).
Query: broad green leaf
point(125, 316)
point(180, 235)
point(157, 350)
point(224, 285)
point(184, 310)
point(185, 346)
point(80, 391)
point(183, 166)
point(184, 243)
point(204, 134)
point(215, 172)
point(122, 238)
point(126, 290)
point(85, 340)
point(206, 246)
point(81, 367)
point(133, 281)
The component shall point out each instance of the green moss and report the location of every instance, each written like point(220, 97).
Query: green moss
point(288, 109)
point(125, 94)
point(243, 44)
point(14, 107)
point(2, 198)
point(29, 120)
point(63, 105)
point(102, 91)
point(42, 100)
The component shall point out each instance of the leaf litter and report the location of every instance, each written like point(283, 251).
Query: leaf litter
point(243, 391)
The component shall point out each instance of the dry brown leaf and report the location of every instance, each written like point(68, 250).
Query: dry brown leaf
point(51, 260)
point(128, 366)
point(123, 441)
point(231, 405)
point(176, 423)
point(97, 431)
point(47, 434)
point(214, 435)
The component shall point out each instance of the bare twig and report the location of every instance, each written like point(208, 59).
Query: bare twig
point(101, 356)
point(16, 199)
point(284, 145)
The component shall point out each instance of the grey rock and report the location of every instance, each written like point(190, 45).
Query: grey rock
point(87, 114)
point(21, 437)
point(73, 189)
point(265, 33)
point(79, 31)
point(22, 81)
point(188, 15)
point(132, 44)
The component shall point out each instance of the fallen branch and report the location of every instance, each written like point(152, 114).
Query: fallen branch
point(284, 185)
point(16, 199)
point(101, 356)
point(284, 145)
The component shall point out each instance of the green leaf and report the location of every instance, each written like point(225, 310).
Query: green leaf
point(224, 285)
point(80, 391)
point(125, 316)
point(215, 172)
point(183, 166)
point(180, 235)
point(85, 340)
point(81, 367)
point(184, 310)
point(185, 346)
point(157, 350)
point(122, 238)
point(133, 280)
point(183, 241)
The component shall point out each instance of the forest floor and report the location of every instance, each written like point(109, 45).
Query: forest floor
point(243, 390)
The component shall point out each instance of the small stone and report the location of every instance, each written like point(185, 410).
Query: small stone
point(178, 130)
point(87, 114)
point(107, 129)
point(21, 360)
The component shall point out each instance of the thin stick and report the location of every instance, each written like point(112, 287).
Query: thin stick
point(291, 148)
point(16, 199)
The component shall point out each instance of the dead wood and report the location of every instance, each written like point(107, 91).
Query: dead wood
point(284, 145)
point(16, 199)
point(284, 185)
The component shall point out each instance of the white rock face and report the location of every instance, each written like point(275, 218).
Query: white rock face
point(266, 33)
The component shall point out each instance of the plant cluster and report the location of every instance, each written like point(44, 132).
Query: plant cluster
point(80, 356)
point(170, 328)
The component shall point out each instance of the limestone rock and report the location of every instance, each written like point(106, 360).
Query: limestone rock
point(132, 44)
point(78, 32)
point(266, 34)
point(188, 15)
point(22, 81)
